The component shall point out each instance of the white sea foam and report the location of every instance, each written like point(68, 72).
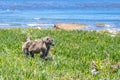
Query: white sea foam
point(113, 31)
point(39, 25)
point(36, 18)
point(4, 24)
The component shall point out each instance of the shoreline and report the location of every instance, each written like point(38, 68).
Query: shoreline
point(96, 27)
point(113, 32)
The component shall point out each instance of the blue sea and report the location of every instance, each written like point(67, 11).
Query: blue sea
point(45, 13)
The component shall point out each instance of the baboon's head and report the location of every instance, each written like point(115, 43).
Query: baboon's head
point(49, 41)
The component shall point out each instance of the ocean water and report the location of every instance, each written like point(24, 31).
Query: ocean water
point(45, 13)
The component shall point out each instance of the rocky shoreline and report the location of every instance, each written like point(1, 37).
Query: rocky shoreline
point(77, 26)
point(68, 26)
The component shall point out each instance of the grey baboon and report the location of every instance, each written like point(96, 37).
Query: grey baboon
point(42, 47)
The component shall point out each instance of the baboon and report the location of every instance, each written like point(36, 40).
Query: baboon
point(42, 47)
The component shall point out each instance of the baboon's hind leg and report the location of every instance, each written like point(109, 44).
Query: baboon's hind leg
point(25, 52)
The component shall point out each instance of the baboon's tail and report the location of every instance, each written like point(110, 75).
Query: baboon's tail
point(27, 38)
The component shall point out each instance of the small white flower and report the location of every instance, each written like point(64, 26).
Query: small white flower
point(94, 71)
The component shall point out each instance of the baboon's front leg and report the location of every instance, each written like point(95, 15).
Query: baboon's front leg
point(31, 54)
point(48, 48)
point(46, 54)
point(43, 53)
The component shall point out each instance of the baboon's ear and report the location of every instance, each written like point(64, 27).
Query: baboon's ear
point(47, 38)
point(44, 39)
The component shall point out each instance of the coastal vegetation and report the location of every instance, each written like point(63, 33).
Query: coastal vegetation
point(72, 55)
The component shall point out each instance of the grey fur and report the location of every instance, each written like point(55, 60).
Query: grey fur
point(42, 47)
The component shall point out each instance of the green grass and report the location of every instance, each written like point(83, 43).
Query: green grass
point(72, 55)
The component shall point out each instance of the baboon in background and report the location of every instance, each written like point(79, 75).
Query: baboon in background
point(42, 47)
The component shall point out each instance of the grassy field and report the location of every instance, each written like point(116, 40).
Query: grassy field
point(72, 55)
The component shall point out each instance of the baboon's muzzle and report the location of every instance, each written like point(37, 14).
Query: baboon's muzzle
point(53, 44)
